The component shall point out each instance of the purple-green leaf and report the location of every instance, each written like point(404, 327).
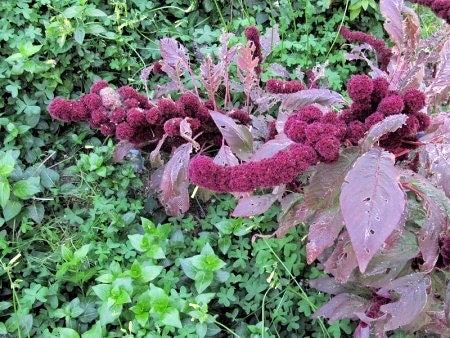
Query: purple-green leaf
point(342, 306)
point(323, 232)
point(325, 185)
point(293, 213)
point(121, 150)
point(412, 292)
point(372, 203)
point(238, 137)
point(254, 205)
point(438, 218)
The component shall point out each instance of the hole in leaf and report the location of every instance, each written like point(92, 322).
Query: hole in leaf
point(372, 231)
point(367, 199)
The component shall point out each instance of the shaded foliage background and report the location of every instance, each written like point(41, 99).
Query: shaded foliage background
point(70, 210)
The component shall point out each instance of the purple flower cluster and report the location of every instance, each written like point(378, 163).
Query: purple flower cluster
point(283, 87)
point(440, 7)
point(384, 54)
point(323, 132)
point(282, 168)
point(373, 101)
point(129, 115)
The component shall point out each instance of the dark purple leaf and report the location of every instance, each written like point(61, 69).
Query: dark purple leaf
point(328, 285)
point(343, 260)
point(372, 203)
point(435, 164)
point(238, 137)
point(442, 78)
point(225, 157)
point(324, 97)
point(270, 148)
point(121, 151)
point(279, 70)
point(412, 291)
point(390, 262)
point(269, 40)
point(362, 331)
point(388, 125)
point(254, 205)
point(174, 194)
point(393, 19)
point(173, 53)
point(293, 213)
point(323, 232)
point(155, 155)
point(342, 306)
point(325, 185)
point(264, 100)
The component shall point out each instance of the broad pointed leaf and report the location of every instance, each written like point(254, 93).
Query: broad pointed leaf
point(438, 219)
point(325, 185)
point(388, 125)
point(174, 182)
point(270, 40)
point(412, 291)
point(225, 157)
point(293, 214)
point(238, 137)
point(342, 261)
point(342, 306)
point(323, 232)
point(372, 203)
point(306, 97)
point(393, 19)
point(254, 205)
point(121, 150)
point(270, 148)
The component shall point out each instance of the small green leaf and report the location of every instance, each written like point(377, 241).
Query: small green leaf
point(36, 212)
point(65, 332)
point(5, 191)
point(72, 12)
point(172, 318)
point(102, 291)
point(202, 280)
point(94, 12)
point(7, 163)
point(49, 177)
point(27, 48)
point(94, 332)
point(11, 210)
point(24, 189)
point(136, 242)
point(82, 252)
point(188, 267)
